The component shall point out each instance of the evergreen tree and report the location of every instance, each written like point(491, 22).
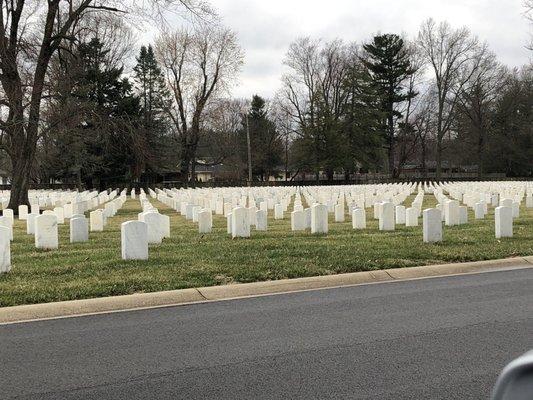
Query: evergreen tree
point(363, 118)
point(95, 119)
point(154, 99)
point(266, 142)
point(389, 65)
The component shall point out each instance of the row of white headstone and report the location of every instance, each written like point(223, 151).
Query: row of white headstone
point(248, 207)
point(44, 227)
point(242, 212)
point(151, 227)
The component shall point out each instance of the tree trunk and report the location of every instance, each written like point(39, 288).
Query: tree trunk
point(439, 158)
point(317, 161)
point(391, 145)
point(424, 163)
point(193, 170)
point(185, 162)
point(19, 183)
point(480, 154)
point(78, 180)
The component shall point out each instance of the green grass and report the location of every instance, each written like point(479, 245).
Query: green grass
point(188, 259)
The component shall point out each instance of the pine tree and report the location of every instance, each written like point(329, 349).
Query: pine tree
point(265, 140)
point(95, 117)
point(155, 98)
point(389, 65)
point(362, 121)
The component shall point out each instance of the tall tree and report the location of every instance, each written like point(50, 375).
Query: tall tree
point(315, 98)
point(389, 64)
point(476, 104)
point(363, 116)
point(31, 32)
point(265, 140)
point(510, 142)
point(98, 136)
point(454, 56)
point(199, 66)
point(155, 100)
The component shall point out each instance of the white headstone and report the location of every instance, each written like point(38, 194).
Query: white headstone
point(205, 221)
point(30, 224)
point(463, 215)
point(79, 230)
point(155, 230)
point(8, 212)
point(189, 210)
point(451, 212)
point(503, 218)
point(307, 213)
point(164, 221)
point(23, 212)
point(6, 223)
point(339, 212)
point(479, 211)
point(58, 211)
point(411, 216)
point(386, 219)
point(261, 220)
point(96, 218)
point(297, 221)
point(432, 225)
point(67, 210)
point(319, 218)
point(228, 223)
point(252, 210)
point(358, 218)
point(134, 239)
point(46, 234)
point(400, 214)
point(5, 250)
point(195, 211)
point(240, 222)
point(278, 211)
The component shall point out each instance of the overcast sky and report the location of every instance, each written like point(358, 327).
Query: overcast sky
point(265, 28)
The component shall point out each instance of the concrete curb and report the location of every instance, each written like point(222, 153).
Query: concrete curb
point(74, 308)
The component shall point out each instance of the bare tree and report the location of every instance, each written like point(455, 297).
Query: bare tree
point(31, 32)
point(477, 99)
point(454, 56)
point(423, 121)
point(200, 65)
point(220, 134)
point(314, 96)
point(528, 4)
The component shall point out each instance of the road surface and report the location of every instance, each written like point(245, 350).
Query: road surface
point(440, 338)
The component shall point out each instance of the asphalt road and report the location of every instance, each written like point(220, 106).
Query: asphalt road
point(440, 338)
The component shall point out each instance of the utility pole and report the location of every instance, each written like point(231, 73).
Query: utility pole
point(287, 147)
point(249, 150)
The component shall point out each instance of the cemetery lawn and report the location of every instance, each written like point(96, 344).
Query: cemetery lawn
point(189, 259)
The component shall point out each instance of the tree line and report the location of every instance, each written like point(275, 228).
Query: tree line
point(80, 102)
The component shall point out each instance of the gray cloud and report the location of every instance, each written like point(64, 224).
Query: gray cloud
point(266, 28)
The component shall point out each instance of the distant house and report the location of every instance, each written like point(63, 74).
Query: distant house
point(204, 173)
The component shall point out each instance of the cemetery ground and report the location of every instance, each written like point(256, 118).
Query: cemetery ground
point(189, 259)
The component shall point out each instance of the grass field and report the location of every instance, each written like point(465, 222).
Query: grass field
point(188, 259)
